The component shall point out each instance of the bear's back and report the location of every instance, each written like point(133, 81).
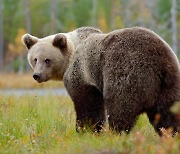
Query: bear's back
point(137, 44)
point(139, 61)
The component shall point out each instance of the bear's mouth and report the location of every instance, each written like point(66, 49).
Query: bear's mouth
point(39, 77)
point(41, 80)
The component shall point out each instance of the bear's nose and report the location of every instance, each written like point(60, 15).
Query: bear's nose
point(36, 76)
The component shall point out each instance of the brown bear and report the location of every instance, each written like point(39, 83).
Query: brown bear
point(127, 72)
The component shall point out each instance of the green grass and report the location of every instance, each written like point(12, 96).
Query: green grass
point(31, 124)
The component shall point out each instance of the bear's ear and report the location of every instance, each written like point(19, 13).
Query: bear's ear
point(29, 40)
point(60, 41)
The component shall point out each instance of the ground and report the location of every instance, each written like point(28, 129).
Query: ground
point(34, 124)
point(13, 80)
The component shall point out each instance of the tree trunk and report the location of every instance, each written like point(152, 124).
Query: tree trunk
point(28, 17)
point(151, 5)
point(28, 28)
point(53, 16)
point(1, 35)
point(173, 26)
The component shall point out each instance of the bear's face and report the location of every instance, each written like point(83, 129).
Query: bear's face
point(47, 56)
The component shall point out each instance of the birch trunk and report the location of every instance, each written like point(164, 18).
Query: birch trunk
point(28, 28)
point(173, 23)
point(53, 16)
point(1, 35)
point(28, 17)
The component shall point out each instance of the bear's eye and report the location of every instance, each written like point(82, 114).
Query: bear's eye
point(35, 60)
point(47, 61)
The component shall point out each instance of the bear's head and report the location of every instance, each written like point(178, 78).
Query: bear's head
point(48, 56)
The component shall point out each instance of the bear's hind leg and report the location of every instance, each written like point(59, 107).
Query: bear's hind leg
point(162, 118)
point(121, 123)
point(121, 117)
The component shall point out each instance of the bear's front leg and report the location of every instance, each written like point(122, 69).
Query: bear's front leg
point(89, 106)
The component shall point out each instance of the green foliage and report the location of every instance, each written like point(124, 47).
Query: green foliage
point(82, 12)
point(40, 17)
point(15, 65)
point(105, 6)
point(164, 7)
point(13, 17)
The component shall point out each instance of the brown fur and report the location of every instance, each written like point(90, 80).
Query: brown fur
point(127, 71)
point(145, 75)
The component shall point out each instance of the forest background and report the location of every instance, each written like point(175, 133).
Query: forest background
point(45, 17)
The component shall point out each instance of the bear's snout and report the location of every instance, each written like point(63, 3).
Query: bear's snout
point(37, 76)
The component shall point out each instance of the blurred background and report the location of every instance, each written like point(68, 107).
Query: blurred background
point(45, 17)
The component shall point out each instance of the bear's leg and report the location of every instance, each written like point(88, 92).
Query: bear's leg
point(89, 108)
point(121, 117)
point(162, 117)
point(121, 122)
